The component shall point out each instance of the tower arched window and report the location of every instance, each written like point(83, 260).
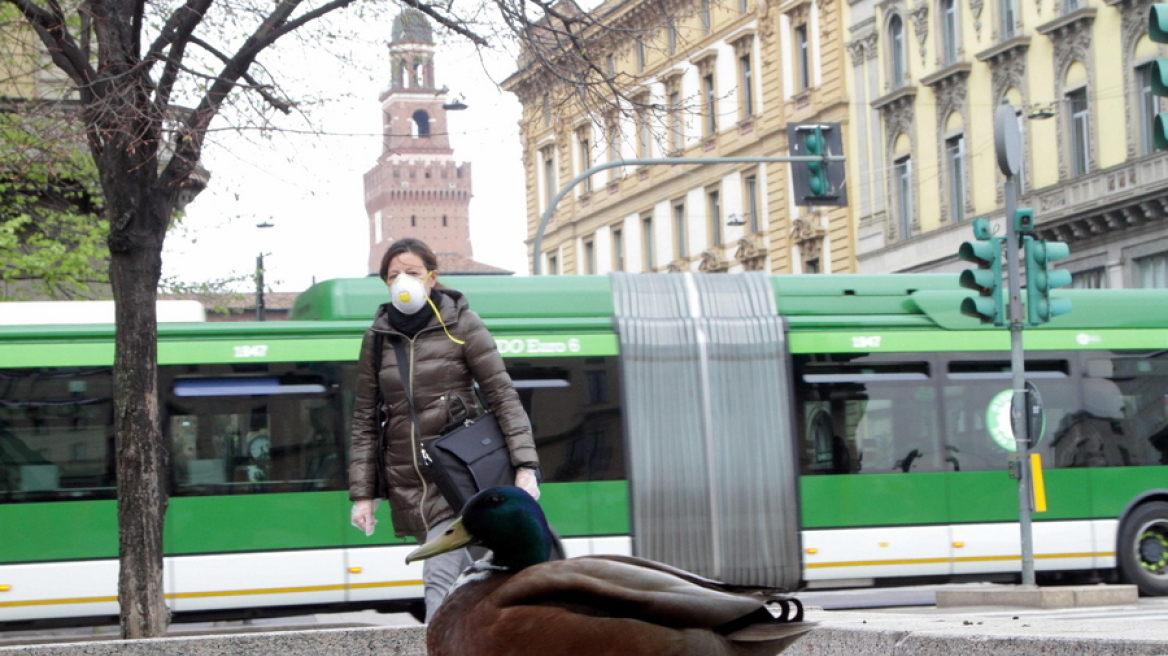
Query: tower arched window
point(421, 124)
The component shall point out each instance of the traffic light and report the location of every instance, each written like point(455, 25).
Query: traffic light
point(816, 171)
point(1158, 32)
point(817, 182)
point(986, 279)
point(1040, 279)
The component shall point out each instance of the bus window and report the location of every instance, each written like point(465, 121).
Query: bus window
point(869, 416)
point(1122, 419)
point(574, 406)
point(56, 434)
point(976, 405)
point(279, 429)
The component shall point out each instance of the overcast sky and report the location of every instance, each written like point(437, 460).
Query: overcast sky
point(310, 186)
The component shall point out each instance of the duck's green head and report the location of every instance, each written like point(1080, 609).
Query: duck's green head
point(505, 520)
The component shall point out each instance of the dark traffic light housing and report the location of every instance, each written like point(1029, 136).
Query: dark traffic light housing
point(817, 182)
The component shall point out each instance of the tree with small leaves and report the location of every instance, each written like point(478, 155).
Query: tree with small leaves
point(148, 80)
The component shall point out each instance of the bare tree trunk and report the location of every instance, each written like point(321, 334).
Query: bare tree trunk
point(135, 267)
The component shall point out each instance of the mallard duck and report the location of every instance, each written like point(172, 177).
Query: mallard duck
point(517, 602)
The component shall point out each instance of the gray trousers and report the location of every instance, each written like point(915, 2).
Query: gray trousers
point(440, 572)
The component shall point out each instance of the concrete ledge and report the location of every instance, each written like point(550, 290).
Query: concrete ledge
point(372, 641)
point(840, 633)
point(1037, 597)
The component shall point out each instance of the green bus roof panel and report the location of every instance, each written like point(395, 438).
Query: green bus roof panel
point(490, 296)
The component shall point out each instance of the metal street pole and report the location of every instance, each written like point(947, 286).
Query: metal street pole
point(260, 287)
point(536, 248)
point(1008, 147)
point(260, 276)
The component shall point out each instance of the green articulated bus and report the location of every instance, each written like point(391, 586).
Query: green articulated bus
point(770, 430)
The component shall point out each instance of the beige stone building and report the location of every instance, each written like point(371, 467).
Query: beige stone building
point(700, 79)
point(925, 77)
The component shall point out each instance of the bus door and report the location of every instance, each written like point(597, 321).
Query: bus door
point(874, 483)
point(258, 466)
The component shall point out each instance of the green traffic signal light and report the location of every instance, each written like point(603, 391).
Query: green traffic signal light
point(1040, 279)
point(986, 279)
point(1158, 72)
point(1158, 23)
point(816, 171)
point(1158, 32)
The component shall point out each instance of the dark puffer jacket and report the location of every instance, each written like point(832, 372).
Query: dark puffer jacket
point(440, 368)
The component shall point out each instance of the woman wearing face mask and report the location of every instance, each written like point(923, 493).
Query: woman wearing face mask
point(449, 349)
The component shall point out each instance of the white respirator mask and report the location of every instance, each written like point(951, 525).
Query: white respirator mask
point(407, 293)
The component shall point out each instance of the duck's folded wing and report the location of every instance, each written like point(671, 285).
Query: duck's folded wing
point(617, 588)
point(694, 578)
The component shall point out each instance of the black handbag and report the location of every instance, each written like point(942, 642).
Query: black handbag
point(471, 453)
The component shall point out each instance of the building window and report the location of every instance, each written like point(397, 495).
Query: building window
point(640, 55)
point(647, 250)
point(1071, 5)
point(743, 6)
point(547, 109)
point(553, 267)
point(671, 37)
point(714, 211)
point(676, 131)
point(597, 387)
point(1089, 279)
point(610, 65)
point(902, 175)
point(680, 250)
point(547, 155)
point(413, 221)
point(745, 86)
point(644, 130)
point(955, 157)
point(710, 104)
point(618, 250)
point(612, 137)
point(584, 153)
point(1152, 271)
point(949, 32)
point(1146, 101)
point(443, 220)
point(707, 19)
point(1008, 14)
point(750, 191)
point(589, 257)
point(802, 57)
point(896, 52)
point(1080, 131)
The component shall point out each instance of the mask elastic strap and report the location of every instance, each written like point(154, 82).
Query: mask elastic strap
point(439, 315)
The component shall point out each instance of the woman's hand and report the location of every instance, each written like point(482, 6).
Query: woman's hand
point(525, 480)
point(362, 515)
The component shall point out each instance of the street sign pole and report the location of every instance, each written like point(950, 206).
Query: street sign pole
point(1008, 147)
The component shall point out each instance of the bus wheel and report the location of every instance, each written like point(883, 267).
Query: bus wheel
point(1143, 549)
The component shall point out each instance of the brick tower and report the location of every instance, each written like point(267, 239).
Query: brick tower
point(416, 188)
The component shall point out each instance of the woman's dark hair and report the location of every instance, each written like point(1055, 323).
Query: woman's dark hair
point(408, 245)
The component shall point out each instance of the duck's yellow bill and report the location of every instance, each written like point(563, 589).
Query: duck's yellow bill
point(455, 537)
